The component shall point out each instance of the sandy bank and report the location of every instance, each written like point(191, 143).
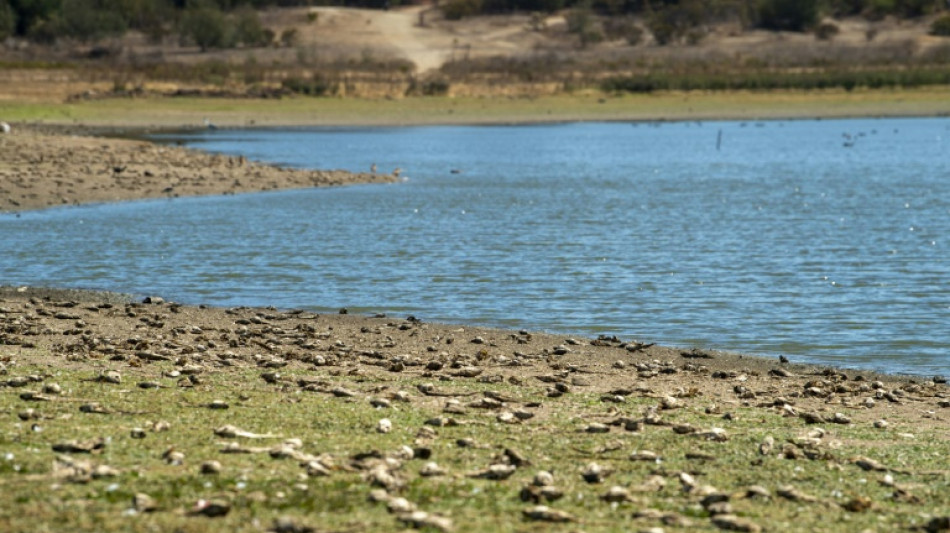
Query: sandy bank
point(41, 169)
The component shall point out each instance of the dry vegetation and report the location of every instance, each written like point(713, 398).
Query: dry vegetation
point(330, 51)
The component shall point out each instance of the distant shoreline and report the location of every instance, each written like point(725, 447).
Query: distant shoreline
point(115, 116)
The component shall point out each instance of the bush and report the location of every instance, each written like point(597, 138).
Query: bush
point(459, 9)
point(663, 33)
point(826, 31)
point(288, 37)
point(623, 28)
point(89, 20)
point(7, 20)
point(207, 27)
point(941, 26)
point(675, 22)
point(437, 87)
point(790, 15)
point(695, 36)
point(316, 86)
point(579, 19)
point(248, 29)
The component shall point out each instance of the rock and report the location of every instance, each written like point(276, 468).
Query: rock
point(210, 508)
point(431, 469)
point(495, 472)
point(211, 467)
point(144, 503)
point(594, 473)
point(616, 494)
point(730, 522)
point(421, 519)
point(546, 514)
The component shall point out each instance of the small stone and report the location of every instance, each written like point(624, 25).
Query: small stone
point(431, 469)
point(546, 514)
point(110, 376)
point(594, 473)
point(211, 467)
point(384, 426)
point(644, 455)
point(495, 472)
point(144, 503)
point(421, 519)
point(730, 522)
point(616, 494)
point(543, 478)
point(211, 508)
point(858, 504)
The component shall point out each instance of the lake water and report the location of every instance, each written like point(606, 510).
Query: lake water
point(826, 241)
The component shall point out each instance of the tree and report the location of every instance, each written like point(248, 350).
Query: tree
point(7, 20)
point(248, 29)
point(206, 26)
point(89, 20)
point(30, 13)
point(789, 15)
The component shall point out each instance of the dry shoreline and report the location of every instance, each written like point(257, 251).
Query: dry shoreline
point(713, 360)
point(163, 408)
point(42, 169)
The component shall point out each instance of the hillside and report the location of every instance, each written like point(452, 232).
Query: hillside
point(416, 50)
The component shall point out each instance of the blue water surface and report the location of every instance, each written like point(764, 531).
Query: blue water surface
point(823, 240)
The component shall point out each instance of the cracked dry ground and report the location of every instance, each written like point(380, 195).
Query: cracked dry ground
point(118, 416)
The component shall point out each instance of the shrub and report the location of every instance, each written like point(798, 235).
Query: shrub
point(826, 31)
point(315, 86)
point(87, 20)
point(623, 28)
point(579, 19)
point(694, 36)
point(674, 22)
point(248, 29)
point(437, 87)
point(288, 37)
point(663, 33)
point(591, 36)
point(790, 15)
point(207, 27)
point(459, 9)
point(941, 26)
point(7, 20)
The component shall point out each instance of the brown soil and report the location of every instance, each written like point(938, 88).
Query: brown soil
point(41, 169)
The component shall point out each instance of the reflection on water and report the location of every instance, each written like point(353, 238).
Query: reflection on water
point(791, 238)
